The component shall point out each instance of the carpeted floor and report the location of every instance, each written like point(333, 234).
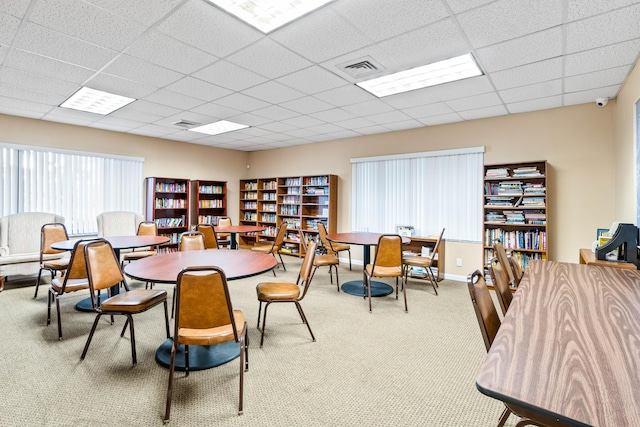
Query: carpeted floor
point(388, 368)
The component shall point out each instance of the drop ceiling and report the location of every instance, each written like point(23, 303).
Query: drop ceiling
point(188, 61)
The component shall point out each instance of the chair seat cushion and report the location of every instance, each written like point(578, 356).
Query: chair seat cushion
point(277, 291)
point(72, 285)
point(421, 261)
point(324, 260)
point(267, 249)
point(380, 271)
point(338, 247)
point(139, 255)
point(57, 264)
point(134, 301)
point(211, 336)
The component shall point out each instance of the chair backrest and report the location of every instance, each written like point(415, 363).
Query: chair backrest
point(210, 239)
point(486, 313)
point(435, 247)
point(322, 233)
point(191, 241)
point(118, 223)
point(203, 300)
point(282, 231)
point(306, 268)
point(389, 251)
point(516, 268)
point(103, 267)
point(147, 228)
point(500, 283)
point(224, 221)
point(77, 265)
point(501, 254)
point(50, 234)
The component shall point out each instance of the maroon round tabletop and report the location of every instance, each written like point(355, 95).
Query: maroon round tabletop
point(233, 230)
point(235, 264)
point(117, 242)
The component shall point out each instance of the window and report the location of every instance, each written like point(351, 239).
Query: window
point(75, 185)
point(428, 191)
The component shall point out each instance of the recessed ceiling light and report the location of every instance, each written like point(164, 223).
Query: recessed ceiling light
point(267, 15)
point(95, 101)
point(449, 70)
point(216, 128)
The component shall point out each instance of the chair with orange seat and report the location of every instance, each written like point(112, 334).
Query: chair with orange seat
point(191, 241)
point(333, 246)
point(330, 259)
point(387, 264)
point(274, 246)
point(224, 239)
point(145, 228)
point(49, 234)
point(425, 262)
point(210, 238)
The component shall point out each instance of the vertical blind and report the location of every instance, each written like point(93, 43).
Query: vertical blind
point(428, 191)
point(77, 186)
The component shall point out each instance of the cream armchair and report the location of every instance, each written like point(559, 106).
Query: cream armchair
point(118, 223)
point(20, 243)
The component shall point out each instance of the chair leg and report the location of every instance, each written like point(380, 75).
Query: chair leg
point(282, 262)
point(59, 320)
point(186, 360)
point(504, 416)
point(133, 340)
point(349, 258)
point(369, 292)
point(93, 329)
point(166, 318)
point(50, 295)
point(404, 291)
point(432, 279)
point(35, 295)
point(242, 362)
point(259, 310)
point(173, 302)
point(337, 279)
point(172, 365)
point(264, 322)
point(304, 320)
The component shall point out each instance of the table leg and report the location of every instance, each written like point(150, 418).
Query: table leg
point(356, 287)
point(234, 241)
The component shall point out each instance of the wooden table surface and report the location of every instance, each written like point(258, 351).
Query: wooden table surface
point(117, 242)
point(569, 346)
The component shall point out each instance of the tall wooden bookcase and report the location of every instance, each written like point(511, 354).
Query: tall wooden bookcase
point(298, 201)
point(210, 201)
point(516, 209)
point(168, 204)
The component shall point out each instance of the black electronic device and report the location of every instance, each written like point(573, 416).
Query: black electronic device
point(625, 242)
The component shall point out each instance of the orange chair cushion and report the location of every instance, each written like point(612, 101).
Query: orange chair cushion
point(72, 285)
point(338, 247)
point(211, 336)
point(134, 301)
point(420, 261)
point(57, 264)
point(380, 271)
point(269, 291)
point(324, 260)
point(267, 249)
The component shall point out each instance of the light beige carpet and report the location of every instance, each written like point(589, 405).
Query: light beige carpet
point(388, 368)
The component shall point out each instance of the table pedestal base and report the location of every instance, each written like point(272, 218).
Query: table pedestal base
point(200, 357)
point(87, 305)
point(378, 289)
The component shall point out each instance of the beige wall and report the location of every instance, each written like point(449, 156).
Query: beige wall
point(625, 134)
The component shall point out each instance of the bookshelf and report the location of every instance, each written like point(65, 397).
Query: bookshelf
point(418, 245)
point(167, 204)
point(515, 210)
point(210, 201)
point(300, 202)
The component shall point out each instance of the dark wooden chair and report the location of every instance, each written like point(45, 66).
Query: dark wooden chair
point(205, 316)
point(387, 264)
point(50, 234)
point(425, 262)
point(286, 292)
point(500, 283)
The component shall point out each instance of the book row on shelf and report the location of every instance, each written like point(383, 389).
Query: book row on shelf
point(270, 231)
point(173, 237)
point(169, 203)
point(523, 258)
point(312, 224)
point(288, 209)
point(250, 186)
point(210, 189)
point(517, 217)
point(292, 182)
point(316, 191)
point(250, 216)
point(170, 222)
point(292, 223)
point(290, 200)
point(166, 187)
point(250, 205)
point(269, 207)
point(522, 172)
point(208, 219)
point(269, 196)
point(535, 240)
point(513, 188)
point(217, 203)
point(515, 201)
point(316, 180)
point(250, 195)
point(270, 185)
point(268, 217)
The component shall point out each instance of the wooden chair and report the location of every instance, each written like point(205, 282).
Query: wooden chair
point(145, 228)
point(283, 292)
point(425, 262)
point(104, 272)
point(205, 316)
point(501, 254)
point(224, 239)
point(499, 279)
point(50, 234)
point(210, 238)
point(273, 247)
point(516, 268)
point(387, 263)
point(75, 279)
point(191, 241)
point(333, 246)
point(489, 323)
point(329, 259)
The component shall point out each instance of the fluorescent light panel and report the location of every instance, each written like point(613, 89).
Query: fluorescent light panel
point(95, 101)
point(216, 128)
point(267, 15)
point(449, 70)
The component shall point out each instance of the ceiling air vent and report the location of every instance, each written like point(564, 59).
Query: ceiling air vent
point(362, 67)
point(186, 124)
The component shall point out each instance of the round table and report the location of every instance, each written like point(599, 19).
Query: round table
point(165, 269)
point(117, 243)
point(233, 230)
point(367, 240)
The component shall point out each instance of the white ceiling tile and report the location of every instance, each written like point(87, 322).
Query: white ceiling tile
point(602, 58)
point(412, 98)
point(372, 106)
point(333, 115)
point(322, 80)
point(437, 109)
point(276, 112)
point(385, 19)
point(117, 123)
point(40, 40)
point(303, 122)
point(343, 134)
point(199, 89)
point(78, 120)
point(8, 28)
point(23, 105)
point(260, 56)
point(144, 11)
point(124, 87)
point(86, 22)
point(444, 41)
point(402, 125)
point(578, 9)
point(300, 133)
point(15, 8)
point(475, 102)
point(523, 50)
point(306, 105)
point(589, 96)
point(459, 89)
point(27, 94)
point(538, 90)
point(277, 127)
point(129, 113)
point(345, 95)
point(49, 67)
point(241, 102)
point(216, 111)
point(173, 99)
point(550, 69)
point(151, 108)
point(249, 119)
point(138, 70)
point(614, 76)
point(461, 5)
point(508, 19)
point(614, 27)
point(390, 117)
point(354, 123)
point(321, 36)
point(371, 130)
point(229, 75)
point(481, 113)
point(169, 53)
point(273, 92)
point(208, 28)
point(325, 128)
point(442, 119)
point(36, 82)
point(535, 104)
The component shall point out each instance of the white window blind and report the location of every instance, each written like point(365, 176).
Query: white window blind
point(75, 185)
point(428, 191)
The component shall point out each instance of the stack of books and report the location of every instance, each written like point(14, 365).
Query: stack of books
point(513, 188)
point(497, 173)
point(527, 171)
point(535, 217)
point(494, 217)
point(514, 217)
